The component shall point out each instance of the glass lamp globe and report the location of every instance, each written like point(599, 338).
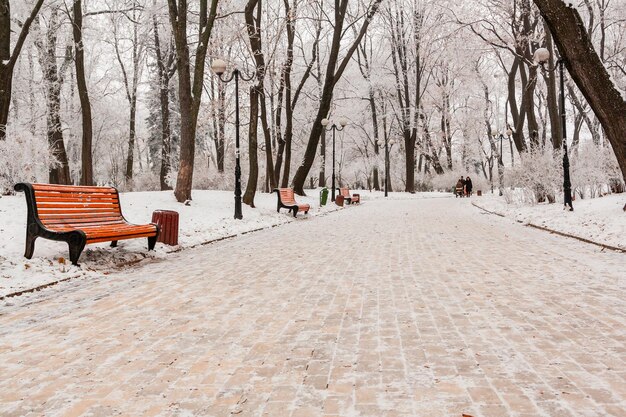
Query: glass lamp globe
point(325, 122)
point(343, 121)
point(541, 56)
point(218, 66)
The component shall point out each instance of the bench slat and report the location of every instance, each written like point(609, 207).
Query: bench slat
point(122, 237)
point(77, 205)
point(83, 197)
point(72, 188)
point(76, 211)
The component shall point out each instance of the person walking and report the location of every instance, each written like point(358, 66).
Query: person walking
point(468, 186)
point(460, 187)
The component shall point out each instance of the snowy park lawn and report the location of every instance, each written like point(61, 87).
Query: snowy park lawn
point(209, 217)
point(601, 220)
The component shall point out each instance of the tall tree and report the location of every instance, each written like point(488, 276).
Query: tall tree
point(252, 15)
point(189, 91)
point(130, 76)
point(165, 61)
point(7, 63)
point(54, 77)
point(86, 177)
point(334, 71)
point(588, 72)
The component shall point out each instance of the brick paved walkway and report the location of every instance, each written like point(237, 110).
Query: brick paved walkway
point(410, 308)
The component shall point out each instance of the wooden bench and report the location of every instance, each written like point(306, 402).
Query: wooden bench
point(286, 200)
point(351, 199)
point(79, 216)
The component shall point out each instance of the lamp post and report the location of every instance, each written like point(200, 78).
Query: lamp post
point(342, 122)
point(541, 56)
point(219, 68)
point(509, 132)
point(388, 143)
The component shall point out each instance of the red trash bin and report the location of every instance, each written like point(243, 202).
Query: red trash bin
point(168, 223)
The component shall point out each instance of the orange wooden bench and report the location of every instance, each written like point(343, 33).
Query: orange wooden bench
point(286, 200)
point(352, 199)
point(78, 215)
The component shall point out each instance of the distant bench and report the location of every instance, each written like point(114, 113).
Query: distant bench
point(286, 199)
point(78, 215)
point(351, 199)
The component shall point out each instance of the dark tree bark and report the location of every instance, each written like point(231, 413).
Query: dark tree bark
point(6, 69)
point(53, 76)
point(550, 77)
point(220, 131)
point(5, 30)
point(333, 74)
point(190, 92)
point(86, 177)
point(517, 118)
point(252, 15)
point(253, 175)
point(588, 72)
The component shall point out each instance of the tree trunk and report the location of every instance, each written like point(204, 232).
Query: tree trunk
point(60, 173)
point(333, 74)
point(164, 100)
point(221, 126)
point(254, 36)
point(5, 30)
point(6, 69)
point(131, 140)
point(588, 72)
point(550, 78)
point(190, 93)
point(253, 175)
point(86, 177)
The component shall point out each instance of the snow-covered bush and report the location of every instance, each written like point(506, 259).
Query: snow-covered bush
point(594, 171)
point(24, 159)
point(538, 174)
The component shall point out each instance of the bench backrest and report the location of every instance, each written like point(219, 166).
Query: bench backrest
point(64, 204)
point(287, 196)
point(345, 192)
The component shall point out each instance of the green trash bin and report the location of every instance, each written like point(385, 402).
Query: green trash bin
point(323, 196)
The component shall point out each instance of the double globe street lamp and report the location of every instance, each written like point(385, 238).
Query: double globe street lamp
point(219, 68)
point(541, 57)
point(342, 122)
point(387, 143)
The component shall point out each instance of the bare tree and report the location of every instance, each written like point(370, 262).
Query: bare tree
point(588, 72)
point(334, 71)
point(86, 177)
point(165, 63)
point(130, 76)
point(8, 60)
point(54, 78)
point(190, 91)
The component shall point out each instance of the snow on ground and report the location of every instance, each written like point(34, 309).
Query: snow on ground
point(209, 217)
point(601, 220)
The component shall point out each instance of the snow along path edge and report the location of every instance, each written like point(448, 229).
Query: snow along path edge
point(177, 250)
point(556, 232)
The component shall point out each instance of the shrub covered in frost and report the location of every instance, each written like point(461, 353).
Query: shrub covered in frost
point(24, 159)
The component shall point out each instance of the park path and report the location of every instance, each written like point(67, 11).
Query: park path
point(399, 308)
